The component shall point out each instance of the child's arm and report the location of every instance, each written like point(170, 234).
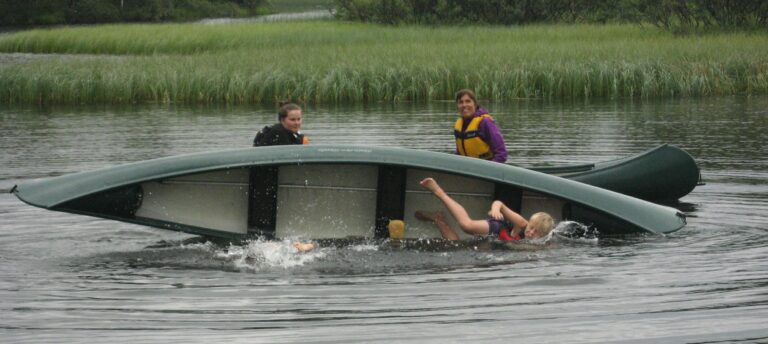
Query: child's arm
point(500, 211)
point(495, 211)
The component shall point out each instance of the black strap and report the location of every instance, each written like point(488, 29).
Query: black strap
point(465, 135)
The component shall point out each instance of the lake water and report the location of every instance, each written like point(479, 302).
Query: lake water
point(69, 278)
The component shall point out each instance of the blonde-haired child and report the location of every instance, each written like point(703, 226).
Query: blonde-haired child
point(503, 223)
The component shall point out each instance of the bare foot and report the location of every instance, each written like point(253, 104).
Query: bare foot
point(430, 184)
point(432, 216)
point(304, 247)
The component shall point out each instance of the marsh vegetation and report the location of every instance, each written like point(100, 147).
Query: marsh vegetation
point(330, 62)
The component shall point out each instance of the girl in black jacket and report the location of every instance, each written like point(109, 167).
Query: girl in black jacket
point(286, 132)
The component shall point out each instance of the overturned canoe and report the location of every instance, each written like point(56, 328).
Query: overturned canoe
point(322, 192)
point(663, 173)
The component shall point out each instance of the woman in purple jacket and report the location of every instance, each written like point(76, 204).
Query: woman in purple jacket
point(476, 134)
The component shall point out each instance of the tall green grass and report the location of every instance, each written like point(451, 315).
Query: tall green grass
point(329, 62)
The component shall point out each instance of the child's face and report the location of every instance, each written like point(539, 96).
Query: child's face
point(531, 232)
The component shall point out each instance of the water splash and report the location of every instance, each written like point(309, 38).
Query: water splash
point(364, 247)
point(261, 254)
point(573, 231)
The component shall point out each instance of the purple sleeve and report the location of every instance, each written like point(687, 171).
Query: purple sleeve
point(490, 133)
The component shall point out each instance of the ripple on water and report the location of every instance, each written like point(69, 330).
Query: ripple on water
point(67, 278)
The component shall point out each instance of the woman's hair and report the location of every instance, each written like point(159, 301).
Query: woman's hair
point(466, 92)
point(542, 222)
point(286, 107)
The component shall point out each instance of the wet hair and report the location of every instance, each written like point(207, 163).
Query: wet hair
point(467, 92)
point(286, 107)
point(543, 223)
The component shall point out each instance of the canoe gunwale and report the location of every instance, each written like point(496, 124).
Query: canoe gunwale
point(663, 173)
point(570, 171)
point(620, 162)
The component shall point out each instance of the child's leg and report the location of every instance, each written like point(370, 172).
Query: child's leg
point(467, 224)
point(437, 218)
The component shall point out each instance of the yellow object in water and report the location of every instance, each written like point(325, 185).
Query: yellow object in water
point(396, 229)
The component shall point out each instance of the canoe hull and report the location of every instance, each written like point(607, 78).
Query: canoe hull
point(328, 192)
point(664, 173)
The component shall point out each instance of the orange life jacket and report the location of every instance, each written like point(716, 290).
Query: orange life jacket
point(468, 141)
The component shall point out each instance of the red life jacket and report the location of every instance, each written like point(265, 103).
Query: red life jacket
point(504, 235)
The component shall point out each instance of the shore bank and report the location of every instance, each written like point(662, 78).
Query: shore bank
point(336, 62)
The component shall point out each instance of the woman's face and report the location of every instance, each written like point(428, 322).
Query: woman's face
point(466, 106)
point(292, 122)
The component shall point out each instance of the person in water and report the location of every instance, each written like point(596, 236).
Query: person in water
point(475, 131)
point(504, 223)
point(286, 132)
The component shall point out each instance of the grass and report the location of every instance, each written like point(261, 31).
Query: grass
point(336, 62)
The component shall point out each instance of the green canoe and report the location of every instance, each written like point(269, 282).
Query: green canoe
point(328, 191)
point(664, 173)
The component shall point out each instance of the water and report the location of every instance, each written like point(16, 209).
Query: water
point(69, 278)
point(278, 17)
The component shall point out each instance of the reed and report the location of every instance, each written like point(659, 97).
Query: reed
point(334, 62)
